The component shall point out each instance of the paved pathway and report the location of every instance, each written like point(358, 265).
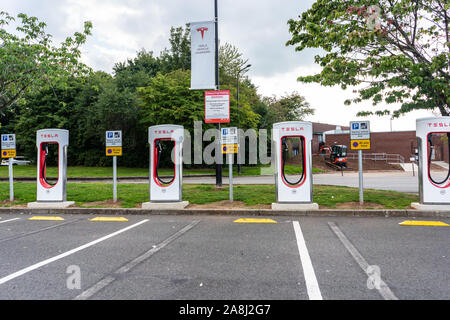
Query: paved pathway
point(397, 181)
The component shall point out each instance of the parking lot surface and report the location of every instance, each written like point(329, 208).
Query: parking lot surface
point(222, 257)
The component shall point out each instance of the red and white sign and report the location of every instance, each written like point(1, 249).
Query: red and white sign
point(217, 106)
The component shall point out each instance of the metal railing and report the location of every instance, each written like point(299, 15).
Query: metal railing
point(378, 157)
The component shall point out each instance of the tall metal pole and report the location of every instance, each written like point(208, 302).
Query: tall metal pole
point(114, 178)
point(239, 123)
point(218, 165)
point(361, 186)
point(230, 174)
point(11, 186)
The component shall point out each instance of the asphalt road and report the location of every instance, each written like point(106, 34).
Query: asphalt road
point(213, 257)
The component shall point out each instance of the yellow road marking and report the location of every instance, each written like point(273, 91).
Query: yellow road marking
point(120, 219)
point(44, 218)
point(424, 223)
point(253, 220)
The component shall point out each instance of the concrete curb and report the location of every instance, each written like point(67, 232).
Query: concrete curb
point(233, 212)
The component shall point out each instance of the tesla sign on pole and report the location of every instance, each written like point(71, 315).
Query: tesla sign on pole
point(203, 63)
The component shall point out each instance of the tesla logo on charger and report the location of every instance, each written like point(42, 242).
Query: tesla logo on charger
point(163, 131)
point(292, 129)
point(49, 135)
point(439, 124)
point(202, 30)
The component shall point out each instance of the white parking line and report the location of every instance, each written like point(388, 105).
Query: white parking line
point(312, 286)
point(10, 220)
point(133, 263)
point(382, 287)
point(68, 253)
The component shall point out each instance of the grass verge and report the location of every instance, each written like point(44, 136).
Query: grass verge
point(101, 172)
point(132, 195)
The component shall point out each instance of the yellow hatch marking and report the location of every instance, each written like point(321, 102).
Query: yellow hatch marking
point(120, 219)
point(44, 218)
point(252, 220)
point(424, 223)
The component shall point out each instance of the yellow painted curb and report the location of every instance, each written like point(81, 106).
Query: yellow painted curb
point(119, 219)
point(252, 220)
point(424, 223)
point(44, 218)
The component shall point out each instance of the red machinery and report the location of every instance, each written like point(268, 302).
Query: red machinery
point(335, 155)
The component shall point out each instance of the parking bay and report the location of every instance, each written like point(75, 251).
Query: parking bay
point(214, 257)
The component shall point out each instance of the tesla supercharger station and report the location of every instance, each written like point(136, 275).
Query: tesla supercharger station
point(434, 191)
point(293, 192)
point(166, 191)
point(51, 194)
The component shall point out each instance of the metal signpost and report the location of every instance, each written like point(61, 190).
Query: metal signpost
point(217, 110)
point(229, 141)
point(360, 140)
point(9, 151)
point(114, 149)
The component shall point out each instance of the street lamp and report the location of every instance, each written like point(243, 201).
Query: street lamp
point(239, 116)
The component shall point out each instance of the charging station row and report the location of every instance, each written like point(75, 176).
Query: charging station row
point(293, 191)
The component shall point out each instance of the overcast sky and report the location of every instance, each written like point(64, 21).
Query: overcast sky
point(257, 27)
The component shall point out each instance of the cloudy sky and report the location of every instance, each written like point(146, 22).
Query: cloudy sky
point(257, 27)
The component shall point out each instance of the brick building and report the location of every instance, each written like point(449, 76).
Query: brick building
point(321, 129)
point(402, 143)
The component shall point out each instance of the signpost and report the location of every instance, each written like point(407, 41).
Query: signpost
point(114, 149)
point(9, 151)
point(217, 110)
point(229, 141)
point(360, 140)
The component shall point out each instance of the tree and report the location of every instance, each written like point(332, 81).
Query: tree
point(395, 52)
point(168, 99)
point(70, 107)
point(290, 107)
point(230, 61)
point(179, 54)
point(28, 60)
point(137, 72)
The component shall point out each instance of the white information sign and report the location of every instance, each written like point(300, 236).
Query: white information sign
point(359, 130)
point(229, 135)
point(113, 138)
point(8, 141)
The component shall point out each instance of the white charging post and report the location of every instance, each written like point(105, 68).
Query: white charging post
point(51, 194)
point(165, 192)
point(293, 138)
point(113, 143)
point(9, 152)
point(434, 189)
